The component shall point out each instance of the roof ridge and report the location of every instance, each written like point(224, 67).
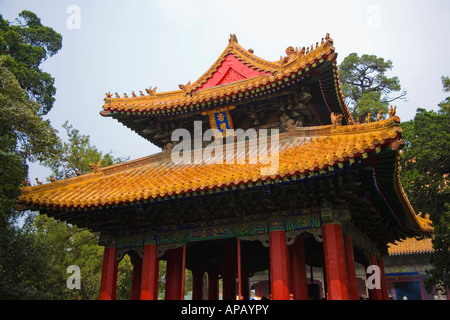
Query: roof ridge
point(295, 57)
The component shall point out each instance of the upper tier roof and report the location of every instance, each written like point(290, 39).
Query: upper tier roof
point(235, 72)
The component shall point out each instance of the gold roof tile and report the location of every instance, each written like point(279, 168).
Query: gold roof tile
point(151, 177)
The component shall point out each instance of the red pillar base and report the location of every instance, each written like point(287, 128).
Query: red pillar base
point(351, 269)
point(278, 266)
point(197, 284)
point(150, 273)
point(137, 277)
point(297, 269)
point(109, 275)
point(229, 271)
point(384, 290)
point(375, 294)
point(175, 274)
point(333, 245)
point(213, 286)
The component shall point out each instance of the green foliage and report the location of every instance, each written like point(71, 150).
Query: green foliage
point(425, 159)
point(370, 103)
point(24, 46)
point(24, 136)
point(439, 275)
point(24, 269)
point(74, 156)
point(366, 86)
point(425, 176)
point(67, 244)
point(445, 105)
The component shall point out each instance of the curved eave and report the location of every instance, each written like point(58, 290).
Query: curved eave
point(387, 193)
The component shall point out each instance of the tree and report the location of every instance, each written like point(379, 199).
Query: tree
point(445, 105)
point(69, 244)
point(74, 156)
point(24, 136)
point(425, 175)
point(366, 86)
point(25, 94)
point(25, 45)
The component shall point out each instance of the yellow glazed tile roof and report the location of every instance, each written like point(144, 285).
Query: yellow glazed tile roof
point(413, 245)
point(311, 149)
point(296, 62)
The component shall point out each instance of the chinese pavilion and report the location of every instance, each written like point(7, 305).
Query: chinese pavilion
point(334, 200)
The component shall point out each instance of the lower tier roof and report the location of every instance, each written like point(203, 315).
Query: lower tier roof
point(303, 152)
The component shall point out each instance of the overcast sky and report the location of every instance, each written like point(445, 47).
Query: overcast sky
point(124, 46)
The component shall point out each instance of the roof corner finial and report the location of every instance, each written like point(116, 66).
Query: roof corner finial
point(97, 168)
point(380, 115)
point(328, 39)
point(27, 183)
point(392, 111)
point(150, 91)
point(186, 88)
point(291, 54)
point(336, 119)
point(233, 38)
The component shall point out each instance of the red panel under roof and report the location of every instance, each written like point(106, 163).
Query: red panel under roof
point(231, 70)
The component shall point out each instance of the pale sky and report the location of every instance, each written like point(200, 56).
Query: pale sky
point(124, 46)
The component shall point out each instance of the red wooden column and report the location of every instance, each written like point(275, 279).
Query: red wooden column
point(150, 273)
point(197, 284)
point(213, 285)
point(384, 289)
point(297, 269)
point(335, 269)
point(229, 270)
point(245, 285)
point(109, 275)
point(375, 294)
point(279, 277)
point(175, 274)
point(351, 269)
point(137, 278)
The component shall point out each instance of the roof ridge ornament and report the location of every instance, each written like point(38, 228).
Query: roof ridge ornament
point(97, 168)
point(186, 88)
point(151, 92)
point(380, 115)
point(392, 111)
point(336, 119)
point(292, 126)
point(233, 38)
